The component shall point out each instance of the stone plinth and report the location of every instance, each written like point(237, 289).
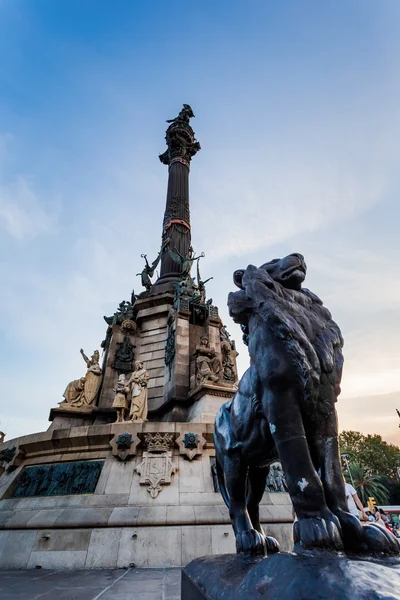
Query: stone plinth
point(206, 400)
point(284, 576)
point(121, 522)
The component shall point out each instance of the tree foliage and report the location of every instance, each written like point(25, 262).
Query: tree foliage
point(372, 452)
point(368, 485)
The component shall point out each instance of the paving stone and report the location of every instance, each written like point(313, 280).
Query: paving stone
point(99, 584)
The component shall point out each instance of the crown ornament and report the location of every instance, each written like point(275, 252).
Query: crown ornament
point(158, 442)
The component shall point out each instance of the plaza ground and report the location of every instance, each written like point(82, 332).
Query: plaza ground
point(102, 584)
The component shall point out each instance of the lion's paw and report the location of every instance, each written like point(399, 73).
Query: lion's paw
point(272, 545)
point(251, 542)
point(351, 530)
point(317, 532)
point(380, 541)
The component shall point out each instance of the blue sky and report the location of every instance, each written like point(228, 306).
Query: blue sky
point(297, 111)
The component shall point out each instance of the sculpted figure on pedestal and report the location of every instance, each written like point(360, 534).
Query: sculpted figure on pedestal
point(84, 390)
point(186, 262)
point(228, 366)
point(284, 410)
point(184, 115)
point(149, 270)
point(120, 403)
point(208, 365)
point(138, 388)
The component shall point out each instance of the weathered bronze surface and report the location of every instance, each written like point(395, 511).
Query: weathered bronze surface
point(285, 409)
point(59, 479)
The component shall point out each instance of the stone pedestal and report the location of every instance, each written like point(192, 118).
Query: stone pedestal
point(105, 496)
point(206, 400)
point(284, 576)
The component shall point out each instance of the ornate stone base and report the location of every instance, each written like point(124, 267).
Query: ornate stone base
point(207, 399)
point(322, 576)
point(155, 483)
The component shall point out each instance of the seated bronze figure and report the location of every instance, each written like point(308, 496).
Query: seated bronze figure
point(285, 408)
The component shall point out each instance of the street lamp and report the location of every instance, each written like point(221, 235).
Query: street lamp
point(346, 462)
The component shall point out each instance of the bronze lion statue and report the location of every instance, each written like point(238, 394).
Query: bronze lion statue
point(285, 409)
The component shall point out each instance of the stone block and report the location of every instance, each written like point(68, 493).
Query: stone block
point(281, 498)
point(44, 518)
point(61, 439)
point(162, 427)
point(125, 516)
point(27, 503)
point(157, 363)
point(46, 502)
point(78, 501)
point(17, 549)
point(151, 547)
point(120, 477)
point(152, 324)
point(206, 408)
point(162, 309)
point(83, 517)
point(156, 382)
point(191, 475)
point(5, 515)
point(222, 539)
point(37, 442)
point(61, 540)
point(9, 504)
point(309, 576)
point(108, 500)
point(70, 559)
point(206, 498)
point(156, 372)
point(152, 515)
point(210, 514)
point(19, 519)
point(103, 548)
point(155, 393)
point(159, 335)
point(78, 436)
point(177, 515)
point(196, 541)
point(4, 535)
point(283, 532)
point(273, 514)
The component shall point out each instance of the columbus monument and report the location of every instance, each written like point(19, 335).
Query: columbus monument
point(126, 472)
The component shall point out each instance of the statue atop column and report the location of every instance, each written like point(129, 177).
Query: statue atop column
point(182, 144)
point(181, 147)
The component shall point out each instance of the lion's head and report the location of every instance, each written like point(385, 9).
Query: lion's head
point(289, 271)
point(273, 294)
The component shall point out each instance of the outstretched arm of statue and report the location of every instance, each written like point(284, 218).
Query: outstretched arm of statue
point(85, 358)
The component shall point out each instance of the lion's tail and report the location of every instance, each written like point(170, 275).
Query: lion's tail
point(221, 482)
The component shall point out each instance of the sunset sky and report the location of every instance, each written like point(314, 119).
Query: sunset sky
point(297, 110)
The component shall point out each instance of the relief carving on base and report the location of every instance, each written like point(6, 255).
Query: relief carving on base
point(190, 444)
point(156, 470)
point(124, 445)
point(208, 364)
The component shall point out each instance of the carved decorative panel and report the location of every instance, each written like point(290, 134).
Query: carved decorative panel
point(58, 479)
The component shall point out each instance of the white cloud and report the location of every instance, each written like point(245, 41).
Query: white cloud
point(254, 210)
point(23, 214)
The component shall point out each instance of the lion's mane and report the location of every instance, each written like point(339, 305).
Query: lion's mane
point(300, 320)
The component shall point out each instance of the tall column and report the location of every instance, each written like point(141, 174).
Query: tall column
point(181, 146)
